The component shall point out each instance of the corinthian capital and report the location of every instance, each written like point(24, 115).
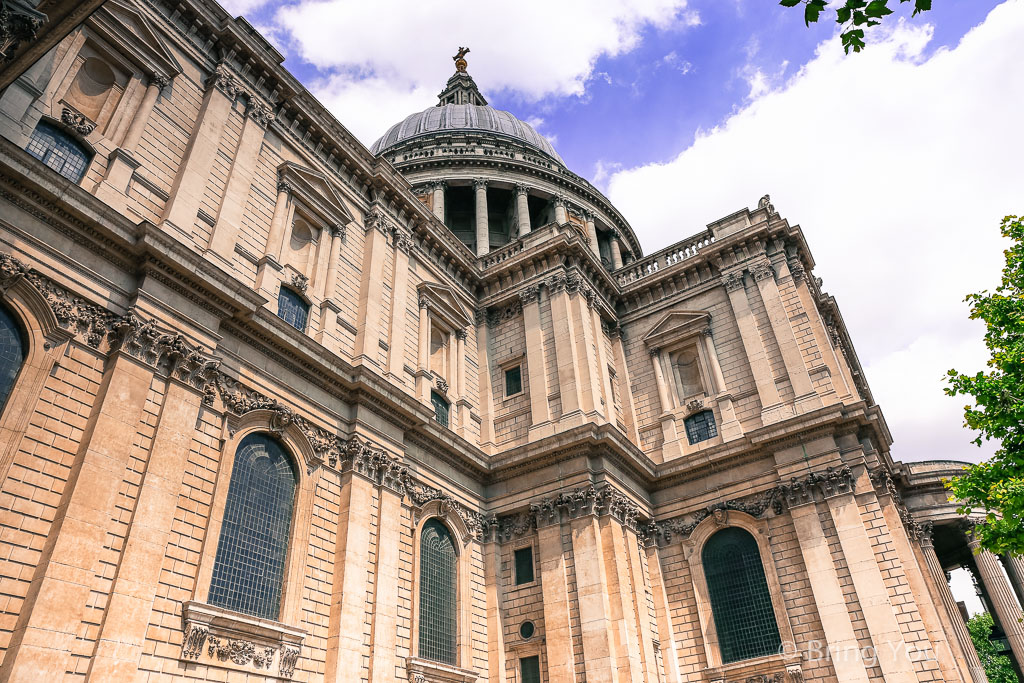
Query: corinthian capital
point(224, 80)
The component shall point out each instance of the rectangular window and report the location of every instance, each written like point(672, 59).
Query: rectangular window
point(292, 309)
point(440, 408)
point(513, 381)
point(529, 669)
point(701, 427)
point(524, 565)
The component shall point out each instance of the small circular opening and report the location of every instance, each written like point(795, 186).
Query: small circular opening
point(526, 630)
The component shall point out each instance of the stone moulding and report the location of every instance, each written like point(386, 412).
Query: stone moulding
point(218, 637)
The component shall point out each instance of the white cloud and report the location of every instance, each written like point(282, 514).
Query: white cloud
point(535, 49)
point(242, 7)
point(899, 167)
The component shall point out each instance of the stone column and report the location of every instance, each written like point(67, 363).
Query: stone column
point(371, 291)
point(589, 380)
point(423, 371)
point(483, 237)
point(236, 192)
point(484, 363)
point(197, 162)
point(607, 406)
point(730, 428)
point(879, 613)
point(523, 209)
point(772, 409)
point(953, 619)
point(588, 219)
point(561, 216)
point(663, 614)
point(623, 613)
point(126, 620)
point(616, 250)
point(665, 394)
point(1001, 595)
point(52, 613)
point(399, 305)
point(565, 346)
point(829, 600)
point(494, 598)
point(349, 586)
point(1014, 565)
point(113, 189)
point(553, 582)
point(459, 402)
point(337, 235)
point(592, 591)
point(279, 224)
point(384, 645)
point(805, 397)
point(536, 366)
point(639, 574)
point(437, 203)
point(625, 390)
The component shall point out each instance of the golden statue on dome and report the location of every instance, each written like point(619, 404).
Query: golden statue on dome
point(460, 60)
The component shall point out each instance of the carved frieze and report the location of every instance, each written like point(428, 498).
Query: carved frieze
point(421, 493)
point(18, 23)
point(77, 122)
point(586, 500)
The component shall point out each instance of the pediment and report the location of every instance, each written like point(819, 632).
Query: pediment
point(676, 325)
point(121, 24)
point(316, 193)
point(442, 301)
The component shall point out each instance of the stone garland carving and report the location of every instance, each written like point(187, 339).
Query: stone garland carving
point(15, 27)
point(195, 638)
point(224, 80)
point(376, 465)
point(289, 657)
point(442, 385)
point(300, 283)
point(796, 268)
point(529, 294)
point(261, 112)
point(421, 494)
point(882, 479)
point(586, 500)
point(77, 122)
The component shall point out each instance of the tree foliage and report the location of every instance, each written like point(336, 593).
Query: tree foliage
point(996, 487)
point(998, 668)
point(854, 16)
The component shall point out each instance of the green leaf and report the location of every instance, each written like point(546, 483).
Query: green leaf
point(921, 6)
point(842, 15)
point(812, 11)
point(877, 9)
point(853, 39)
point(790, 3)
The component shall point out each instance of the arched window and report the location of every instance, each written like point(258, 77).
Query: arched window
point(12, 354)
point(740, 600)
point(292, 308)
point(248, 573)
point(437, 593)
point(59, 151)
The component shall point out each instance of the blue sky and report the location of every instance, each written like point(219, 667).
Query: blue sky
point(897, 162)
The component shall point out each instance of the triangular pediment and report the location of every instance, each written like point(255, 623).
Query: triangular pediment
point(443, 303)
point(315, 192)
point(121, 24)
point(676, 325)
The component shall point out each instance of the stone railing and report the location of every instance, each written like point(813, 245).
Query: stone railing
point(660, 260)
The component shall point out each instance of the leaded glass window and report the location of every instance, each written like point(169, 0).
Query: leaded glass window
point(437, 593)
point(441, 406)
point(292, 309)
point(701, 427)
point(59, 151)
point(12, 354)
point(740, 600)
point(248, 573)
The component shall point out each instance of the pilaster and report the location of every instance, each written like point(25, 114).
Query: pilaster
point(554, 585)
point(371, 288)
point(592, 589)
point(565, 347)
point(399, 305)
point(536, 367)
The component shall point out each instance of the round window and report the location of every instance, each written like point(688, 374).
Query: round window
point(526, 630)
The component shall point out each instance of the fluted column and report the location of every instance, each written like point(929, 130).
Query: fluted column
point(437, 204)
point(1001, 595)
point(588, 219)
point(328, 308)
point(331, 281)
point(1014, 565)
point(523, 209)
point(955, 621)
point(561, 217)
point(279, 222)
point(616, 250)
point(483, 238)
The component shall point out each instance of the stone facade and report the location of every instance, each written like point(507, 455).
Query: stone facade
point(231, 261)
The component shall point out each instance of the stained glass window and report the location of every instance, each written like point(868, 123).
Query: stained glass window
point(59, 151)
point(701, 427)
point(437, 593)
point(740, 600)
point(12, 354)
point(529, 669)
point(440, 408)
point(248, 573)
point(292, 309)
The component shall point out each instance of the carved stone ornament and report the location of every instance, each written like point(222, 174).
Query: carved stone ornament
point(796, 268)
point(284, 187)
point(732, 281)
point(529, 294)
point(224, 80)
point(765, 202)
point(289, 658)
point(762, 270)
point(586, 500)
point(77, 122)
point(420, 494)
point(19, 22)
point(442, 385)
point(402, 240)
point(261, 112)
point(663, 532)
point(694, 406)
point(377, 219)
point(160, 81)
point(339, 231)
point(479, 184)
point(195, 638)
point(299, 282)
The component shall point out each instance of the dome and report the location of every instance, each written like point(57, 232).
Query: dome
point(464, 118)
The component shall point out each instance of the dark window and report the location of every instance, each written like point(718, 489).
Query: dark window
point(12, 354)
point(249, 570)
point(740, 601)
point(526, 630)
point(437, 593)
point(701, 427)
point(59, 151)
point(440, 408)
point(524, 565)
point(529, 669)
point(292, 309)
point(513, 380)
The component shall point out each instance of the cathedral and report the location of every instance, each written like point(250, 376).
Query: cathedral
point(280, 407)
